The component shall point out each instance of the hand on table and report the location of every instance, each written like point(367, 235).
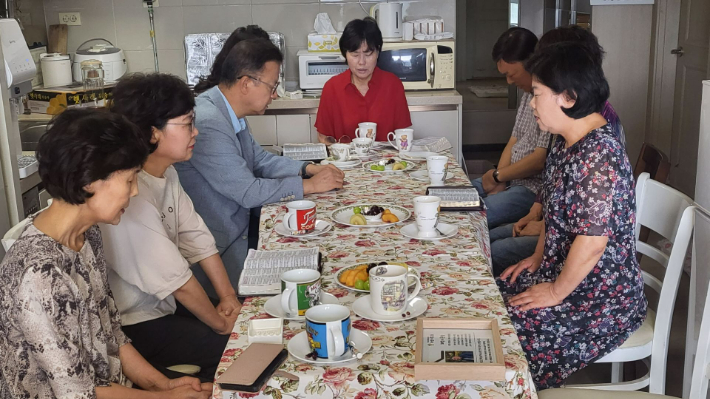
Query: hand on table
point(327, 178)
point(227, 323)
point(489, 184)
point(229, 305)
point(531, 228)
point(530, 264)
point(538, 296)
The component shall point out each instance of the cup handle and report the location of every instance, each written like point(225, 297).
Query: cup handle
point(287, 221)
point(357, 132)
point(390, 140)
point(417, 288)
point(336, 331)
point(286, 300)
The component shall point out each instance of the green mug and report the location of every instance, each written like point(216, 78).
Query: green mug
point(300, 290)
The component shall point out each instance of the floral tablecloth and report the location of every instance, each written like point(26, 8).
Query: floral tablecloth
point(457, 283)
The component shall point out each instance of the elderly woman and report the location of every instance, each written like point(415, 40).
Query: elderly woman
point(363, 93)
point(60, 331)
point(580, 295)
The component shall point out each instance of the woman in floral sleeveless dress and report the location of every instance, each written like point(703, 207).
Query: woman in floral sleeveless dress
point(580, 296)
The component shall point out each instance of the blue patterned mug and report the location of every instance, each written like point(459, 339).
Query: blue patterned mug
point(328, 329)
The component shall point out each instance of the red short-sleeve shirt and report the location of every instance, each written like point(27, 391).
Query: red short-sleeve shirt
point(342, 106)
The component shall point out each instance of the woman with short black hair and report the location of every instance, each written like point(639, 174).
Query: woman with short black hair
point(60, 331)
point(580, 296)
point(164, 309)
point(363, 93)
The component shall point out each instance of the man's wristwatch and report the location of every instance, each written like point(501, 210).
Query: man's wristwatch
point(305, 174)
point(495, 176)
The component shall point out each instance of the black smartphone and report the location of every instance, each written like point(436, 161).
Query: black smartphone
point(263, 378)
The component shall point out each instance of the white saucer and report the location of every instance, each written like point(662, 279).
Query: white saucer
point(273, 306)
point(445, 231)
point(342, 164)
point(298, 347)
point(416, 307)
point(321, 227)
point(417, 155)
point(423, 175)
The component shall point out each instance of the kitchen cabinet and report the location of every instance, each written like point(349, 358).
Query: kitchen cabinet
point(263, 128)
point(293, 129)
point(438, 124)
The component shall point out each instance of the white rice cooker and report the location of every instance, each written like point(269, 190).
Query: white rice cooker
point(114, 63)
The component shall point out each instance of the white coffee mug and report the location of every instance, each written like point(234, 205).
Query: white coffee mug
point(437, 167)
point(301, 217)
point(328, 329)
point(300, 291)
point(366, 129)
point(340, 152)
point(361, 145)
point(426, 212)
point(402, 139)
point(389, 289)
point(408, 31)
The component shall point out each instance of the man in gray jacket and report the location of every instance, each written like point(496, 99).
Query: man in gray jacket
point(229, 172)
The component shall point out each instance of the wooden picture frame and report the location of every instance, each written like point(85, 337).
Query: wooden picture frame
point(494, 371)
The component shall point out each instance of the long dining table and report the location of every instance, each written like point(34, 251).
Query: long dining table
point(456, 279)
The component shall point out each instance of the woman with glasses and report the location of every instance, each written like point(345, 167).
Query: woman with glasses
point(363, 93)
point(164, 309)
point(60, 331)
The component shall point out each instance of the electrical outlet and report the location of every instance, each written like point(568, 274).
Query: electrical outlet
point(155, 4)
point(70, 18)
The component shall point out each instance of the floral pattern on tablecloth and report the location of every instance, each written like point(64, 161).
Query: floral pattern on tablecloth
point(456, 280)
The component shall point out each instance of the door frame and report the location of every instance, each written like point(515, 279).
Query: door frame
point(662, 77)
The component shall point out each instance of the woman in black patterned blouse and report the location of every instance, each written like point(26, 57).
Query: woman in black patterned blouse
point(60, 332)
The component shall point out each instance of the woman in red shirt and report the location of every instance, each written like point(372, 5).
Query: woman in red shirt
point(363, 93)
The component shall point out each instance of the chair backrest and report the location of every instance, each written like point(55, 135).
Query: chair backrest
point(13, 234)
point(654, 162)
point(671, 214)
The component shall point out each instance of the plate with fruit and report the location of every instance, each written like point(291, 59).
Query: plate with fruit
point(389, 165)
point(370, 215)
point(356, 277)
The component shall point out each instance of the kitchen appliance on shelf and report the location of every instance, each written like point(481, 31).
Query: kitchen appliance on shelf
point(19, 71)
point(112, 59)
point(421, 65)
point(389, 19)
point(202, 48)
point(314, 69)
point(56, 69)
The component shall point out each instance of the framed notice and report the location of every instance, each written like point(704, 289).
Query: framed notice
point(458, 349)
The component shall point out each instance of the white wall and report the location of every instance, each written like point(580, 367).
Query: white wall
point(625, 32)
point(125, 23)
point(31, 15)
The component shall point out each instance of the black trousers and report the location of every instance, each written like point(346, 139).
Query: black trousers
point(180, 338)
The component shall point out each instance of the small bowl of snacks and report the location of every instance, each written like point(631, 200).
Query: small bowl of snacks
point(371, 213)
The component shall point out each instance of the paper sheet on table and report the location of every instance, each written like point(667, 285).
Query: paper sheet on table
point(443, 345)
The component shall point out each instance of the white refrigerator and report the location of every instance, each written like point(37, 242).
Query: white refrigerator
point(700, 272)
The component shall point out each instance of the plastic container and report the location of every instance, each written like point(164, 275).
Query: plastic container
point(269, 331)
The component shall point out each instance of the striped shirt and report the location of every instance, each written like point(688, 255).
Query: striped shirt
point(529, 137)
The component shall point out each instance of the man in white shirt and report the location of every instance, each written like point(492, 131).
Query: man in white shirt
point(164, 309)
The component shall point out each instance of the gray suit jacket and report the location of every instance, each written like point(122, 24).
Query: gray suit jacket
point(229, 173)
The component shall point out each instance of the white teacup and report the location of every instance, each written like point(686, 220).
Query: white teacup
point(300, 290)
point(340, 152)
point(362, 145)
point(366, 130)
point(437, 167)
point(426, 212)
point(389, 291)
point(402, 139)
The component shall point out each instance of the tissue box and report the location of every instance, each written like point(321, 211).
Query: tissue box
point(266, 330)
point(323, 43)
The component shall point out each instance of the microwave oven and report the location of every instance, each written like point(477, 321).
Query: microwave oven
point(420, 65)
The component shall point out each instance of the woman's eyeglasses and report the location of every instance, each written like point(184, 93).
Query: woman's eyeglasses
point(191, 123)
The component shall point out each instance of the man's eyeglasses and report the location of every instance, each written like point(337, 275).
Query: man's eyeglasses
point(191, 124)
point(270, 86)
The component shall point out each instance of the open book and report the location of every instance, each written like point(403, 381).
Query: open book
point(457, 198)
point(262, 269)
